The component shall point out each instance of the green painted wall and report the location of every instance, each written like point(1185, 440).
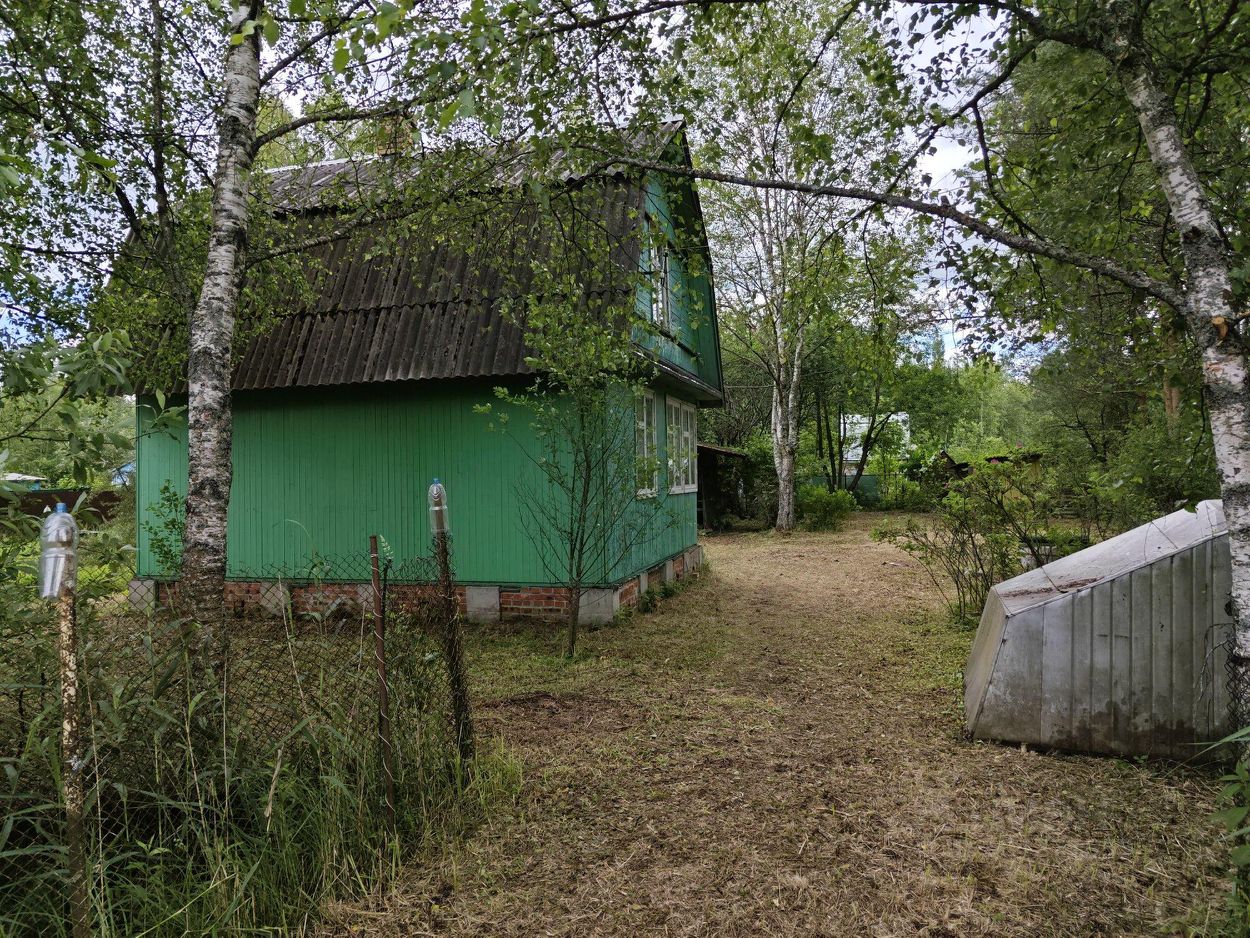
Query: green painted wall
point(692, 343)
point(316, 471)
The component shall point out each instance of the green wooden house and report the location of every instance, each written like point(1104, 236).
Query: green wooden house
point(370, 385)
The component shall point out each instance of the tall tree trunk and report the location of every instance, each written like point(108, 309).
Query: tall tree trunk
point(1171, 390)
point(834, 480)
point(783, 460)
point(840, 453)
point(209, 417)
point(1210, 316)
point(785, 427)
point(865, 448)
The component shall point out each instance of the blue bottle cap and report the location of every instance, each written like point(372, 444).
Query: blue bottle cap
point(60, 508)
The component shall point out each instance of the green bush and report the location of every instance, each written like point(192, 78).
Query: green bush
point(822, 510)
point(965, 548)
point(906, 495)
point(867, 498)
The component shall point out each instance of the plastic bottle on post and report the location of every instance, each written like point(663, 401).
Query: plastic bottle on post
point(58, 553)
point(438, 509)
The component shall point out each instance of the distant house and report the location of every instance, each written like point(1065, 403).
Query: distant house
point(20, 482)
point(365, 389)
point(854, 427)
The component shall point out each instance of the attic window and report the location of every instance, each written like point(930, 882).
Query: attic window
point(657, 270)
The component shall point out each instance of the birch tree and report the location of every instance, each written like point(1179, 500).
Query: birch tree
point(1178, 71)
point(780, 254)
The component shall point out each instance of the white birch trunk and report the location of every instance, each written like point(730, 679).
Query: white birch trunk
point(785, 426)
point(1210, 316)
point(783, 461)
point(209, 416)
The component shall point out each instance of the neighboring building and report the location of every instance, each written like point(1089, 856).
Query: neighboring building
point(20, 482)
point(1121, 647)
point(365, 391)
point(854, 426)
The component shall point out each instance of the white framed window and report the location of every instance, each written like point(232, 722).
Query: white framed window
point(646, 449)
point(682, 439)
point(658, 276)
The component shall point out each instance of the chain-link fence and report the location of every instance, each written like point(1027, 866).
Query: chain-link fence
point(225, 783)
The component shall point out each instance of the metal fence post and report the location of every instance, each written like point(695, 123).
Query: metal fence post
point(384, 704)
point(58, 569)
point(449, 627)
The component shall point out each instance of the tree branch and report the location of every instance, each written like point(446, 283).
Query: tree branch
point(1019, 242)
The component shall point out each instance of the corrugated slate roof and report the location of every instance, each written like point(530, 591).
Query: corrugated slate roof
point(297, 189)
point(415, 306)
point(412, 307)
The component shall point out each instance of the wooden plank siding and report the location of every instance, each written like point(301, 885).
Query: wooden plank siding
point(690, 345)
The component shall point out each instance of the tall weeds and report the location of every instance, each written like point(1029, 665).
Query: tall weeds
point(237, 798)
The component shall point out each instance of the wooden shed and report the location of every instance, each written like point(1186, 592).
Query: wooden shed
point(1118, 648)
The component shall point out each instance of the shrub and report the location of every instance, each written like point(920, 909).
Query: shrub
point(866, 498)
point(907, 495)
point(963, 549)
point(822, 510)
point(165, 532)
point(1234, 800)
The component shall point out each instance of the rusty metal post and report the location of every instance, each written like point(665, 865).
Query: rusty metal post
point(385, 743)
point(449, 628)
point(72, 765)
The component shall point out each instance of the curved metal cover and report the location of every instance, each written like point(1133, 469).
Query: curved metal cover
point(1117, 648)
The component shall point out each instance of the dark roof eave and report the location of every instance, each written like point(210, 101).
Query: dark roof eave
point(722, 450)
point(704, 392)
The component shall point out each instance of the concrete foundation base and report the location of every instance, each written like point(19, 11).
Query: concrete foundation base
point(600, 605)
point(482, 603)
point(276, 598)
point(141, 594)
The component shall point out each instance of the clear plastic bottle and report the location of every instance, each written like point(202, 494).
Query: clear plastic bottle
point(438, 508)
point(58, 553)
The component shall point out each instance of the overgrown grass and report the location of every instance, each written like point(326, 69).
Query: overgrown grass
point(203, 819)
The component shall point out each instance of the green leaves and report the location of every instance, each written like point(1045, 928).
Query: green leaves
point(266, 23)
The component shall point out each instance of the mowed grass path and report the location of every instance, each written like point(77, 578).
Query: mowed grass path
point(777, 751)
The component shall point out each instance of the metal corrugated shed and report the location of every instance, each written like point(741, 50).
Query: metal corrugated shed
point(1120, 647)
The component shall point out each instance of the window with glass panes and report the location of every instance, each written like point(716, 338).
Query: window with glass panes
point(658, 271)
point(681, 436)
point(645, 443)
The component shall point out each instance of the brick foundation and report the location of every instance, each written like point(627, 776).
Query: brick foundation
point(274, 597)
point(542, 601)
point(628, 593)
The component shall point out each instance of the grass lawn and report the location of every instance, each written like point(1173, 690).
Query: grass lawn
point(778, 751)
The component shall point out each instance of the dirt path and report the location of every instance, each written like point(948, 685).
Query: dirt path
point(777, 751)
